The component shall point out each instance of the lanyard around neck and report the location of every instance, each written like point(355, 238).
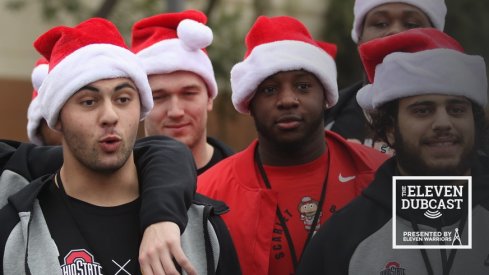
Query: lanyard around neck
point(283, 223)
point(447, 263)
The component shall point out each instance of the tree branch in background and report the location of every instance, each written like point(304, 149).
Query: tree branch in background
point(106, 8)
point(210, 7)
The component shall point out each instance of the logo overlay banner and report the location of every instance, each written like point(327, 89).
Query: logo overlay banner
point(431, 212)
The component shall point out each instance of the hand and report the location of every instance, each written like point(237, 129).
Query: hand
point(160, 244)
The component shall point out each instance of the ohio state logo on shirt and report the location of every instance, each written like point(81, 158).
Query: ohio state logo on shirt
point(393, 268)
point(80, 262)
point(307, 209)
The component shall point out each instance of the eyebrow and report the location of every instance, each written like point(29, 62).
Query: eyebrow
point(419, 103)
point(190, 86)
point(303, 74)
point(458, 101)
point(184, 88)
point(117, 88)
point(124, 85)
point(298, 74)
point(449, 101)
point(88, 87)
point(404, 12)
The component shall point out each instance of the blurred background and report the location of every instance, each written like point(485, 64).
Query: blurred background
point(22, 21)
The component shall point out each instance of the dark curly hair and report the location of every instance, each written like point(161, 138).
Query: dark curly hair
point(384, 119)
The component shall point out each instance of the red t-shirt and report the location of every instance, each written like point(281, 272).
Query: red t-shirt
point(299, 192)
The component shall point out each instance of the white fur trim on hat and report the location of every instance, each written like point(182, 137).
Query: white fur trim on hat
point(86, 65)
point(286, 55)
point(38, 75)
point(436, 11)
point(172, 55)
point(438, 71)
point(34, 117)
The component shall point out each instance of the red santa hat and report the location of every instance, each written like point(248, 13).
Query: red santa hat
point(436, 11)
point(34, 115)
point(276, 44)
point(418, 62)
point(172, 42)
point(91, 51)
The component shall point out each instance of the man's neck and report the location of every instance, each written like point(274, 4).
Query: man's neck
point(271, 154)
point(101, 189)
point(202, 153)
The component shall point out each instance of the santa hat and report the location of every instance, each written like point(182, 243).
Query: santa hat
point(91, 51)
point(279, 44)
point(373, 52)
point(172, 42)
point(436, 11)
point(34, 115)
point(419, 62)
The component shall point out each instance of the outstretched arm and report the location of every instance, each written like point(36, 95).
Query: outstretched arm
point(167, 172)
point(29, 160)
point(165, 168)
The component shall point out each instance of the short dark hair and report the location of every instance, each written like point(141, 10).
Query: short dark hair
point(384, 119)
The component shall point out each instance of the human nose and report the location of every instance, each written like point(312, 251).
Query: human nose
point(395, 28)
point(288, 98)
point(109, 115)
point(442, 121)
point(175, 109)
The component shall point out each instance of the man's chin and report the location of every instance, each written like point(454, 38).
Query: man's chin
point(108, 167)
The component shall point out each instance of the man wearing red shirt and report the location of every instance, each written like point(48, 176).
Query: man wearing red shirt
point(289, 181)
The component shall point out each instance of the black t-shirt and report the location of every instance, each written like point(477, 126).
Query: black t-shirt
point(92, 239)
point(217, 156)
point(221, 151)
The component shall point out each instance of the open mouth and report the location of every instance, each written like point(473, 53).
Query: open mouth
point(110, 140)
point(110, 144)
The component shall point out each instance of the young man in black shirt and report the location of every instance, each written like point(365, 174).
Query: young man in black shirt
point(85, 217)
point(181, 77)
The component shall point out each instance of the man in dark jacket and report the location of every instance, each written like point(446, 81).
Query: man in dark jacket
point(375, 19)
point(181, 77)
point(427, 101)
point(86, 215)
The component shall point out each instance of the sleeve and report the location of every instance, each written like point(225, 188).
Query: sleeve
point(228, 258)
point(8, 219)
point(6, 151)
point(167, 173)
point(29, 160)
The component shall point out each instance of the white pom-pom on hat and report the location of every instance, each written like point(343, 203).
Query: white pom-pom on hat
point(171, 42)
point(194, 35)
